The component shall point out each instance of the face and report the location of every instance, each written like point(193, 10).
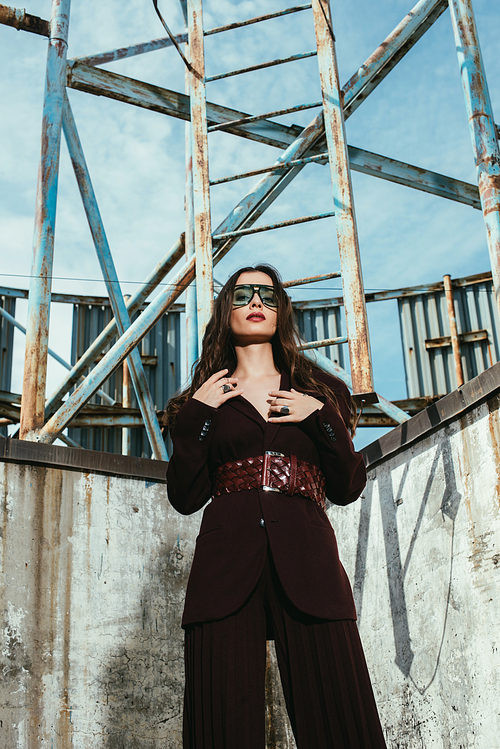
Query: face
point(253, 322)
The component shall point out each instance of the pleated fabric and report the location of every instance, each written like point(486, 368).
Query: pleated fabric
point(323, 671)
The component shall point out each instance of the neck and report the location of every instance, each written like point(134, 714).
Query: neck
point(255, 360)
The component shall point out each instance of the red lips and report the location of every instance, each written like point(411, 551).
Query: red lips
point(256, 316)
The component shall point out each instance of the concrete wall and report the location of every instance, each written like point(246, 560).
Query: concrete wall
point(422, 549)
point(94, 568)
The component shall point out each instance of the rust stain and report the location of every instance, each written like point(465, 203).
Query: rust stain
point(493, 426)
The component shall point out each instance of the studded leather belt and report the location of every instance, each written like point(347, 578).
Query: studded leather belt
point(272, 472)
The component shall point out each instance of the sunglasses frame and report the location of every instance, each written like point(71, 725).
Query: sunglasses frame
point(256, 290)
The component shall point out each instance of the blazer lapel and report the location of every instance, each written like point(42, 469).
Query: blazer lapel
point(245, 407)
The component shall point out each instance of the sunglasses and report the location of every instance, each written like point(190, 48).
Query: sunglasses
point(244, 293)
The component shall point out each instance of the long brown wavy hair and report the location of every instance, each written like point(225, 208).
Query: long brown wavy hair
point(218, 351)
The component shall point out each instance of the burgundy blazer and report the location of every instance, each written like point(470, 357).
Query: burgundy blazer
point(232, 544)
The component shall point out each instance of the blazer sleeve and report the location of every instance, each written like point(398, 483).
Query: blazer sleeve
point(189, 481)
point(343, 468)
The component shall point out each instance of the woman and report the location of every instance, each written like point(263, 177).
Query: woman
point(264, 435)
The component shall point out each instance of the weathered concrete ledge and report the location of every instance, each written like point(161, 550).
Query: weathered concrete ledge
point(434, 417)
point(88, 461)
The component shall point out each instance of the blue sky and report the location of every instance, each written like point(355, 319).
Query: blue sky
point(136, 157)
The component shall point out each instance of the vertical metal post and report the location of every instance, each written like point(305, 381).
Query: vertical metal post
point(201, 186)
point(37, 334)
point(127, 403)
point(191, 305)
point(347, 234)
point(455, 343)
point(481, 125)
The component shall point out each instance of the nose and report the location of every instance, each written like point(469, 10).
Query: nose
point(256, 300)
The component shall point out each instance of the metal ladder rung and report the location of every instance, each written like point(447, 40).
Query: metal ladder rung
point(257, 117)
point(311, 279)
point(272, 63)
point(319, 159)
point(268, 227)
point(257, 19)
point(322, 344)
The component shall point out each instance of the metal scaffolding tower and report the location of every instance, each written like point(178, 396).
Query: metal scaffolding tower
point(201, 248)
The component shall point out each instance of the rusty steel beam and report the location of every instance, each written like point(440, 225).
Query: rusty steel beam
point(481, 126)
point(323, 343)
point(192, 349)
point(22, 21)
point(345, 219)
point(257, 19)
point(270, 227)
point(311, 279)
point(37, 332)
point(387, 55)
point(261, 66)
point(266, 115)
point(201, 184)
point(455, 342)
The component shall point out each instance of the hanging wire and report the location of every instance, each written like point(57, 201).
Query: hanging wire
point(328, 22)
point(174, 40)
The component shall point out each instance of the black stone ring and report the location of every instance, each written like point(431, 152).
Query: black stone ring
point(284, 410)
point(226, 388)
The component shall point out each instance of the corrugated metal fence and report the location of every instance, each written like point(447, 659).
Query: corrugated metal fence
point(425, 334)
point(161, 356)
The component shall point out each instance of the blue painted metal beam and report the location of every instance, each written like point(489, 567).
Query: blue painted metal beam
point(35, 361)
point(481, 125)
point(111, 279)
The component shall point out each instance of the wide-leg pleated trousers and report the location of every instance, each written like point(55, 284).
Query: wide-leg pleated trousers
point(323, 671)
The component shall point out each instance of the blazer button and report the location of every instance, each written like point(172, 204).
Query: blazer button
point(262, 523)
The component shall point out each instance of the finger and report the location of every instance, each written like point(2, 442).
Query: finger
point(231, 394)
point(218, 375)
point(281, 419)
point(280, 394)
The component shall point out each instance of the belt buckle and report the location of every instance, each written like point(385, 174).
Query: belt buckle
point(264, 487)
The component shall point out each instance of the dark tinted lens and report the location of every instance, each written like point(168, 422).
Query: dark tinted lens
point(242, 295)
point(268, 296)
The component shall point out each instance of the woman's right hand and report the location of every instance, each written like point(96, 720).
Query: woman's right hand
point(211, 392)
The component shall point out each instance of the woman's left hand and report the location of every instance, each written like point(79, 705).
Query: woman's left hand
point(299, 405)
